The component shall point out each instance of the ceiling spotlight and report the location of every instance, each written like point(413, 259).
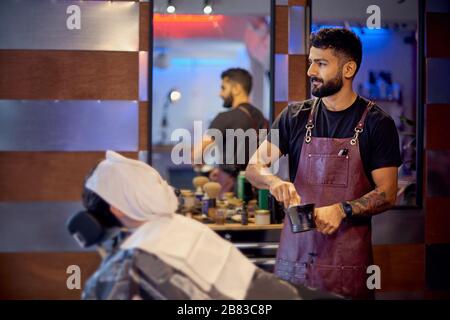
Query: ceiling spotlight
point(170, 7)
point(207, 7)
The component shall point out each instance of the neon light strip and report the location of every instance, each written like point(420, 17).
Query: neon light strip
point(177, 18)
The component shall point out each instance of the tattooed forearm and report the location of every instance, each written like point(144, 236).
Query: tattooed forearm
point(372, 203)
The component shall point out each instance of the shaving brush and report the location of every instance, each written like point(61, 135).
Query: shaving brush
point(199, 182)
point(212, 189)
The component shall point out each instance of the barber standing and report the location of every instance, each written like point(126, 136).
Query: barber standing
point(235, 92)
point(343, 156)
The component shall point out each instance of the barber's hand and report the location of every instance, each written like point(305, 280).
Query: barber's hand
point(285, 192)
point(329, 218)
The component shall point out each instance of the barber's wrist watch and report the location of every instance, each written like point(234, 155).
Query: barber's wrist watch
point(347, 209)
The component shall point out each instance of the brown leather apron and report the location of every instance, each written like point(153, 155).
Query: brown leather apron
point(335, 263)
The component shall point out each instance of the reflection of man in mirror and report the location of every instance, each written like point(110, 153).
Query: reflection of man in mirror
point(235, 93)
point(343, 157)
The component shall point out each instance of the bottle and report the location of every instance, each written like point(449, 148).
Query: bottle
point(263, 200)
point(251, 207)
point(241, 185)
point(198, 195)
point(244, 215)
point(205, 205)
point(276, 210)
point(244, 188)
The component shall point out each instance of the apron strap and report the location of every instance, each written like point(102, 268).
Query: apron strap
point(310, 124)
point(363, 118)
point(358, 129)
point(360, 126)
point(252, 119)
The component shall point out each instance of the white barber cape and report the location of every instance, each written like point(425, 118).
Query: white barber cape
point(185, 244)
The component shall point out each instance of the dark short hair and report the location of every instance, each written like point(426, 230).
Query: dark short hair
point(98, 207)
point(342, 41)
point(241, 76)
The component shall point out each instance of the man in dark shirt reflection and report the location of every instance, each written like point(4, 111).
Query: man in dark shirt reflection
point(235, 92)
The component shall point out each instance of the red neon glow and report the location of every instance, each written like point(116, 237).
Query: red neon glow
point(194, 18)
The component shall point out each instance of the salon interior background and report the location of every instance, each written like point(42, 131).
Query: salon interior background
point(66, 95)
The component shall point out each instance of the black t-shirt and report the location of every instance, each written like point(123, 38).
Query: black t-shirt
point(250, 118)
point(378, 143)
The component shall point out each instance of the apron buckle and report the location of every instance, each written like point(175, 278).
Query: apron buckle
point(358, 130)
point(309, 128)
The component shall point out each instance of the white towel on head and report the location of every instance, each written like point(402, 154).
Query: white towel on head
point(133, 187)
point(187, 245)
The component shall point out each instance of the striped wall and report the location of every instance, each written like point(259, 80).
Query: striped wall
point(66, 96)
point(290, 53)
point(437, 149)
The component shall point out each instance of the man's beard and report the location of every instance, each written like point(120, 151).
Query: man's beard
point(328, 88)
point(228, 102)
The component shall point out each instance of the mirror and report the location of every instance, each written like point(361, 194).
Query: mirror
point(388, 74)
point(193, 43)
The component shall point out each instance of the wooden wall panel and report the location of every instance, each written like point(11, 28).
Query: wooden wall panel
point(402, 267)
point(438, 266)
point(436, 118)
point(437, 173)
point(58, 176)
point(45, 176)
point(144, 26)
point(437, 35)
point(437, 295)
point(297, 77)
point(437, 143)
point(68, 75)
point(437, 220)
point(279, 106)
point(281, 29)
point(43, 275)
point(143, 125)
point(297, 3)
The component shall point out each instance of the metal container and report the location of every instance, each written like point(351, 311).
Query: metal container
point(301, 217)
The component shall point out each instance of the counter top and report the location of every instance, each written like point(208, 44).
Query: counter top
point(238, 226)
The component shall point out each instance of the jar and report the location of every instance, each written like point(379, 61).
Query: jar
point(262, 217)
point(188, 201)
point(230, 213)
point(220, 215)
